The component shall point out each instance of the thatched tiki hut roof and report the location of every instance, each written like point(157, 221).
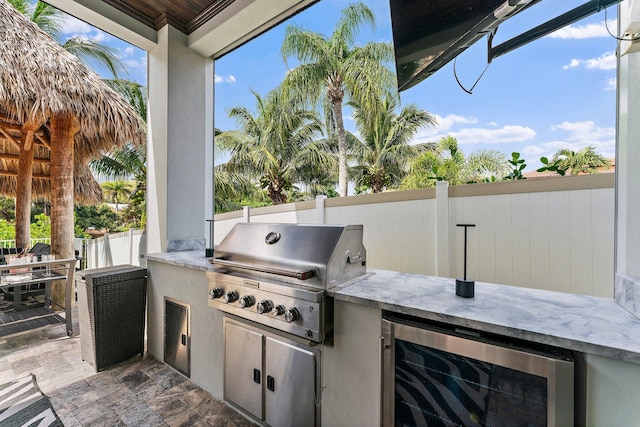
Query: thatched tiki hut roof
point(55, 116)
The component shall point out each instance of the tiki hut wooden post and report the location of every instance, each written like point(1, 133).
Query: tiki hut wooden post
point(63, 131)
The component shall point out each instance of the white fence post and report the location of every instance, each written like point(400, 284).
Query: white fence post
point(442, 229)
point(246, 213)
point(320, 208)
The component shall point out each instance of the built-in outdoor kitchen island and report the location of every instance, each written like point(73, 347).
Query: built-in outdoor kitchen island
point(600, 335)
point(603, 336)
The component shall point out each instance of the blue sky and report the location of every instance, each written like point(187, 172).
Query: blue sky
point(556, 92)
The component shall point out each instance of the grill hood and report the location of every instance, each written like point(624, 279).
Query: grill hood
point(322, 256)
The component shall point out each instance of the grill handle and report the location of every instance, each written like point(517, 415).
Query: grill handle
point(300, 275)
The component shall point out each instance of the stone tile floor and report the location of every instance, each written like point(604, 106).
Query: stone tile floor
point(138, 392)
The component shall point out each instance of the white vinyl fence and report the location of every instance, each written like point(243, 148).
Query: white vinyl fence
point(11, 243)
point(555, 233)
point(113, 249)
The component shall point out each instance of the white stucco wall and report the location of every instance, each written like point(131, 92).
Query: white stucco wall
point(351, 368)
point(180, 142)
point(207, 345)
point(612, 392)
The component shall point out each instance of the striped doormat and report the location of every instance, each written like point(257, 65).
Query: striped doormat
point(23, 404)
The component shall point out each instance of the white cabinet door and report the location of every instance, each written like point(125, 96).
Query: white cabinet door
point(289, 385)
point(243, 373)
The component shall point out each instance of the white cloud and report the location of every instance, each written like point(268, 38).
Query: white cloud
point(584, 31)
point(611, 84)
point(584, 131)
point(505, 134)
point(72, 26)
point(128, 57)
point(99, 37)
point(447, 122)
point(606, 61)
point(222, 79)
point(578, 136)
point(443, 126)
point(455, 126)
point(533, 150)
point(139, 64)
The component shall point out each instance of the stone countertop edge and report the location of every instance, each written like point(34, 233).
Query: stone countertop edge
point(581, 323)
point(586, 324)
point(195, 260)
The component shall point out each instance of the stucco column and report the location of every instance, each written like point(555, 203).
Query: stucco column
point(627, 257)
point(179, 145)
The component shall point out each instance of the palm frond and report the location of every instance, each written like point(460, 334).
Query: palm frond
point(96, 54)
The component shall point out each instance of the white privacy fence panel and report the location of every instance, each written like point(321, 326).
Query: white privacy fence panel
point(295, 213)
point(398, 236)
point(114, 249)
point(560, 240)
point(555, 234)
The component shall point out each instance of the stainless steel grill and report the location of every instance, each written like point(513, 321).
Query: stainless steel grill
point(278, 274)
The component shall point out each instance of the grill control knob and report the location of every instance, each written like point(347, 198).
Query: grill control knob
point(279, 310)
point(291, 315)
point(215, 293)
point(264, 306)
point(247, 301)
point(231, 296)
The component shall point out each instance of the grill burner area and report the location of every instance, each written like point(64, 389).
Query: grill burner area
point(277, 275)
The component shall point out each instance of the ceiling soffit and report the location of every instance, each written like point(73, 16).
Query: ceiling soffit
point(184, 15)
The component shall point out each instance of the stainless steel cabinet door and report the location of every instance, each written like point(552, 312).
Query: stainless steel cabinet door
point(289, 385)
point(243, 368)
point(177, 336)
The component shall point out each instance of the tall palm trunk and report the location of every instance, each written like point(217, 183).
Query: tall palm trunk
point(342, 148)
point(63, 131)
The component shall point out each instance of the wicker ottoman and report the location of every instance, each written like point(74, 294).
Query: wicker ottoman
point(111, 312)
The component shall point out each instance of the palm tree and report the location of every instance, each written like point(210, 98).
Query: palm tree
point(336, 68)
point(229, 189)
point(276, 144)
point(127, 163)
point(116, 191)
point(134, 93)
point(448, 163)
point(383, 153)
point(580, 162)
point(49, 19)
point(130, 161)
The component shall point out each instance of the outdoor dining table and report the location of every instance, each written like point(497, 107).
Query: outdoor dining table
point(21, 275)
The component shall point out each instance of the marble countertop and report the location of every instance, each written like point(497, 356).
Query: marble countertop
point(582, 323)
point(189, 259)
